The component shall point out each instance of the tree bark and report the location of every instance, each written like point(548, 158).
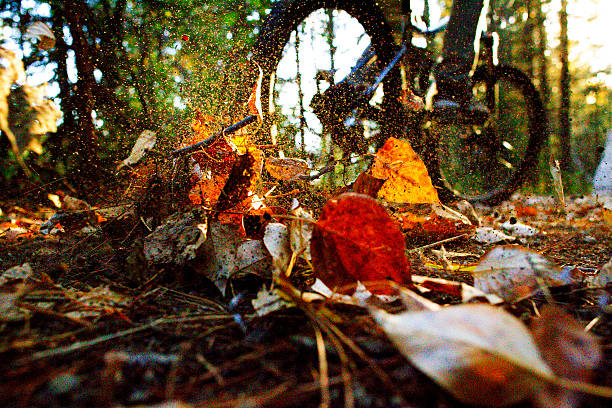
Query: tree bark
point(542, 46)
point(84, 100)
point(564, 86)
point(528, 32)
point(298, 78)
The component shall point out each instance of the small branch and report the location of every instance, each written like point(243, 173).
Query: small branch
point(207, 142)
point(444, 241)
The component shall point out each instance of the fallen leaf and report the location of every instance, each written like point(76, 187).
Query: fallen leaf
point(355, 239)
point(606, 209)
point(226, 254)
point(488, 235)
point(11, 232)
point(518, 229)
point(41, 32)
point(434, 222)
point(268, 301)
point(177, 240)
point(466, 292)
point(145, 142)
point(525, 210)
point(277, 241)
point(407, 180)
point(241, 180)
point(466, 208)
point(19, 272)
point(300, 231)
point(254, 103)
point(367, 184)
point(481, 354)
point(602, 278)
point(26, 114)
point(220, 156)
point(287, 169)
point(514, 272)
point(12, 286)
point(569, 350)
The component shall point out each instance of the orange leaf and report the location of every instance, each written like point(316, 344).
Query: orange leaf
point(254, 103)
point(356, 239)
point(221, 155)
point(406, 174)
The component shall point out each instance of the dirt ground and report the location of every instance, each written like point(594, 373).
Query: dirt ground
point(94, 325)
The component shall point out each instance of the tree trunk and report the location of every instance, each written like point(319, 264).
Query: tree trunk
point(302, 126)
point(564, 86)
point(84, 101)
point(542, 47)
point(66, 132)
point(528, 32)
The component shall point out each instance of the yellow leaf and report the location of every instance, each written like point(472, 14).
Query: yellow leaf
point(406, 174)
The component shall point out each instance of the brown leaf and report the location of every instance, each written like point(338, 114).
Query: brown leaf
point(569, 350)
point(481, 354)
point(241, 180)
point(435, 222)
point(41, 32)
point(287, 169)
point(355, 239)
point(367, 184)
point(227, 254)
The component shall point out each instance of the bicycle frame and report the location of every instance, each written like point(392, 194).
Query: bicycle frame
point(417, 59)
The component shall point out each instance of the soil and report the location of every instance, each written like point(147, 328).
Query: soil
point(164, 333)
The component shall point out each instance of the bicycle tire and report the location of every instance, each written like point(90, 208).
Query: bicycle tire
point(529, 118)
point(285, 17)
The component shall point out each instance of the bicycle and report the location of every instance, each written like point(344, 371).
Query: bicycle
point(482, 160)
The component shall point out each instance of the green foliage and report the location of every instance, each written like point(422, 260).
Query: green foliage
point(153, 62)
point(145, 74)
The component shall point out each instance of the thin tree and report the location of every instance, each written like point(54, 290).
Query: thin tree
point(542, 47)
point(564, 86)
point(302, 125)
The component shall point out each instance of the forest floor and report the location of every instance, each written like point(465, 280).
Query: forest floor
point(88, 321)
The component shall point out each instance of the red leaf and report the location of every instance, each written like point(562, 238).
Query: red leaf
point(356, 239)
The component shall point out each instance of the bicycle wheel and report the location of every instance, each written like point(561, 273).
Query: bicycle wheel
point(305, 47)
point(488, 163)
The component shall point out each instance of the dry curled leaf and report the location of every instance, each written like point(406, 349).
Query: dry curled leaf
point(356, 240)
point(241, 181)
point(481, 354)
point(488, 235)
point(41, 32)
point(287, 169)
point(277, 242)
point(300, 231)
point(145, 142)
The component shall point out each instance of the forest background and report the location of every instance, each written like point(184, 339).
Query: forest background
point(119, 67)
